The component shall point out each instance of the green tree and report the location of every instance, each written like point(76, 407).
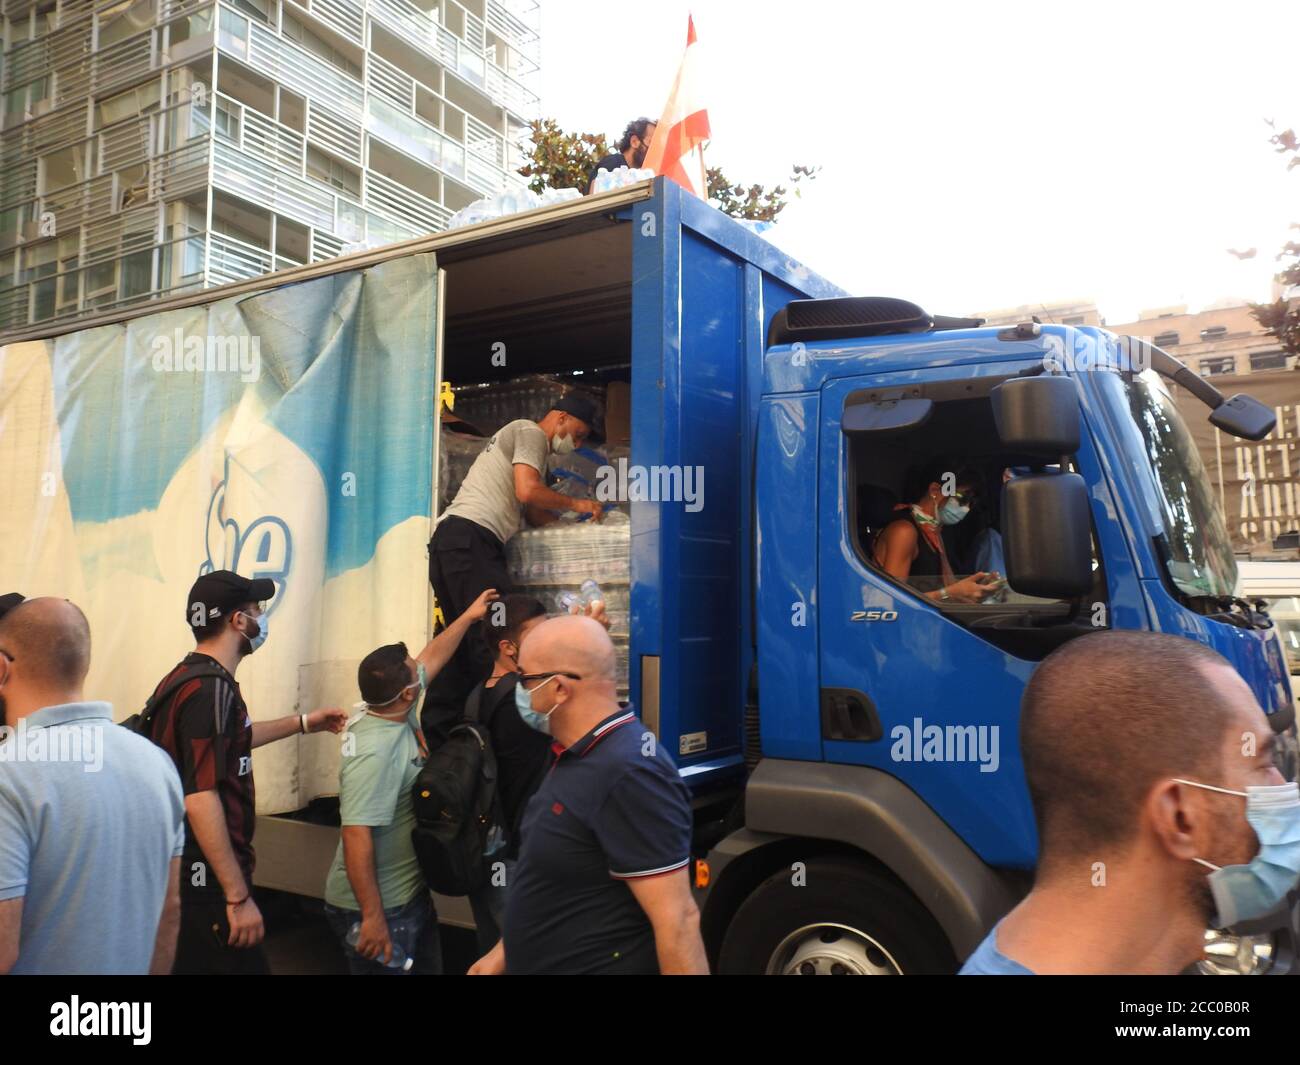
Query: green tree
point(1282, 316)
point(562, 160)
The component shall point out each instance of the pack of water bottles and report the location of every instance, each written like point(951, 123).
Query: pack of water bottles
point(616, 179)
point(509, 202)
point(456, 454)
point(491, 406)
point(570, 552)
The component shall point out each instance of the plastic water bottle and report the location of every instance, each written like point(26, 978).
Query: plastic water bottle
point(591, 593)
point(399, 960)
point(566, 601)
point(496, 841)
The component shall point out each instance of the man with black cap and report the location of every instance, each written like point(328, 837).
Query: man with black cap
point(467, 554)
point(197, 715)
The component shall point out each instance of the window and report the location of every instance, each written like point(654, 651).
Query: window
point(1074, 319)
point(1214, 332)
point(258, 9)
point(1220, 364)
point(888, 471)
point(1166, 340)
point(1267, 360)
point(321, 167)
point(1198, 551)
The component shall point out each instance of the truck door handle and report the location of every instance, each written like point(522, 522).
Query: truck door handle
point(848, 714)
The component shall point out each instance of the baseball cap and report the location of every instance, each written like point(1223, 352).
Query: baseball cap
point(221, 592)
point(585, 410)
point(9, 601)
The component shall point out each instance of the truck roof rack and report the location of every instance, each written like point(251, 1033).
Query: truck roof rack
point(856, 316)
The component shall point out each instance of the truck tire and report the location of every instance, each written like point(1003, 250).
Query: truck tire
point(845, 919)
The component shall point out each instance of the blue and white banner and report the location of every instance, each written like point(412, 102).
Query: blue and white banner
point(287, 434)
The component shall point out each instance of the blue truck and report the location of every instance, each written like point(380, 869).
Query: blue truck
point(850, 744)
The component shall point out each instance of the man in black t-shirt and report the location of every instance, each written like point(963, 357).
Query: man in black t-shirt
point(201, 721)
point(632, 147)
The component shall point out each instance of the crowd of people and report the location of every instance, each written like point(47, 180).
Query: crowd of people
point(1147, 757)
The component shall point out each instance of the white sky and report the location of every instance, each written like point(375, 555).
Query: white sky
point(977, 155)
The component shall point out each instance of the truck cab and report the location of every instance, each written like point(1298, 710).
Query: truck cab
point(887, 825)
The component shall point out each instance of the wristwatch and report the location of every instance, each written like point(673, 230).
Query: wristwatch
point(943, 594)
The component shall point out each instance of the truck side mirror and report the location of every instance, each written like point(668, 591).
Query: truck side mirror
point(1046, 535)
point(1038, 415)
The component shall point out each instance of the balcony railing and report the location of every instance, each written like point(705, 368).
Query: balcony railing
point(389, 198)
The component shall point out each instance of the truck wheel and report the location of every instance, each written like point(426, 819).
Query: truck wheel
point(845, 920)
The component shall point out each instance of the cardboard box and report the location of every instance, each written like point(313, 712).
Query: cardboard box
point(618, 413)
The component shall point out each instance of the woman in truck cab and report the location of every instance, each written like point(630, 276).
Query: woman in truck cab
point(911, 547)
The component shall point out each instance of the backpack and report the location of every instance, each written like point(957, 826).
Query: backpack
point(458, 820)
point(142, 723)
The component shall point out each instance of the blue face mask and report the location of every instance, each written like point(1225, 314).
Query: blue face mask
point(1244, 892)
point(952, 512)
point(533, 718)
point(256, 641)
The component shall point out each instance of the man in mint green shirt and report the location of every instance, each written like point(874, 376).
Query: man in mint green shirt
point(375, 880)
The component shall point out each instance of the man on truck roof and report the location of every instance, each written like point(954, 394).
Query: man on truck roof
point(632, 148)
point(200, 719)
point(1149, 762)
point(467, 553)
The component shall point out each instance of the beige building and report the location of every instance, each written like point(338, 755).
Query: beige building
point(1224, 339)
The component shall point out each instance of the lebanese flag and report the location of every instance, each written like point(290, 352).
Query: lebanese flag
point(677, 149)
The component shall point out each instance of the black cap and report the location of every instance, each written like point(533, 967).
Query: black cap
point(221, 593)
point(8, 602)
point(585, 410)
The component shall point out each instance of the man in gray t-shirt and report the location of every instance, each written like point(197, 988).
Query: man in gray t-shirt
point(467, 554)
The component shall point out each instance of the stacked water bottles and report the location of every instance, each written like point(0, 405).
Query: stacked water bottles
point(491, 406)
point(570, 563)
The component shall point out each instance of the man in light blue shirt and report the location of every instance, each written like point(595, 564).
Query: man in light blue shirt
point(91, 815)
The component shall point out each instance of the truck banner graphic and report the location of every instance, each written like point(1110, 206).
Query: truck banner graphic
point(1257, 484)
point(286, 434)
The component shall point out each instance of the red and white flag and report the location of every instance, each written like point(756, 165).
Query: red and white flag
point(677, 149)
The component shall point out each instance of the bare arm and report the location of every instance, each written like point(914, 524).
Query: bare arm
point(539, 515)
point(164, 944)
point(327, 719)
point(668, 903)
point(896, 550)
point(438, 651)
point(531, 492)
point(11, 923)
point(208, 821)
point(359, 861)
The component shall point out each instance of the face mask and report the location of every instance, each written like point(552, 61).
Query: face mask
point(562, 445)
point(1244, 892)
point(533, 718)
point(256, 640)
point(952, 512)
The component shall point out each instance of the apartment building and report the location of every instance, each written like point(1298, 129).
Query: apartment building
point(151, 147)
point(1222, 340)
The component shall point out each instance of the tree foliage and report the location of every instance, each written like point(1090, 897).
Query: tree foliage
point(562, 160)
point(1282, 316)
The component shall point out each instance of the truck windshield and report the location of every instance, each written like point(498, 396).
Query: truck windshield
point(1200, 559)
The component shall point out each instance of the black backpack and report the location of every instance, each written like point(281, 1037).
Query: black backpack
point(142, 723)
point(456, 807)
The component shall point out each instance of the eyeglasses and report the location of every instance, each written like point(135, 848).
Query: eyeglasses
point(528, 678)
